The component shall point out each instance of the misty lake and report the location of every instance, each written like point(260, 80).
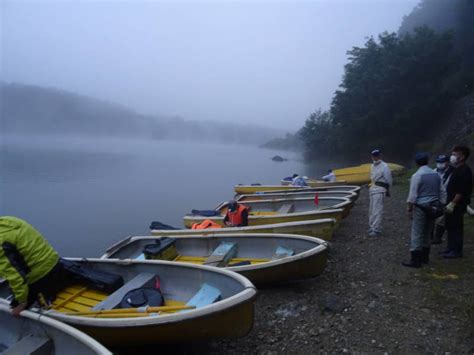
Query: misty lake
point(85, 194)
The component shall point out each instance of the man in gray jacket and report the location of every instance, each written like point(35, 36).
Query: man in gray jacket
point(426, 187)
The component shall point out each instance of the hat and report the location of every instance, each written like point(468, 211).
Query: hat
point(232, 205)
point(421, 158)
point(376, 152)
point(442, 158)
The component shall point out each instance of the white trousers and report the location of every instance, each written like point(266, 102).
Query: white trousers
point(376, 212)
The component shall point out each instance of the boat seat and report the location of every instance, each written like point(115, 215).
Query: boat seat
point(31, 344)
point(206, 295)
point(282, 252)
point(286, 208)
point(222, 254)
point(143, 279)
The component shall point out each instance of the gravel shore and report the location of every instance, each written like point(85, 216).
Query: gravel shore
point(365, 301)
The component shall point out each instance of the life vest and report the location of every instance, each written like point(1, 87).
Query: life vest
point(235, 218)
point(206, 224)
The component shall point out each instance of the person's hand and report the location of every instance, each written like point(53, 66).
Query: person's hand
point(450, 207)
point(410, 212)
point(17, 310)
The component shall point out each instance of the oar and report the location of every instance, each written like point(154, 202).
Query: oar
point(132, 310)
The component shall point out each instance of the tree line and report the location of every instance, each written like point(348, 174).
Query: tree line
point(397, 87)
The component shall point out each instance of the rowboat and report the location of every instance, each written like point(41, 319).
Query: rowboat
point(262, 258)
point(282, 195)
point(316, 183)
point(281, 211)
point(200, 302)
point(32, 333)
point(252, 189)
point(358, 175)
point(320, 228)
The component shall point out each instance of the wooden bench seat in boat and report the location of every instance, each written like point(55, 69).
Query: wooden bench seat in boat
point(144, 279)
point(31, 345)
point(286, 208)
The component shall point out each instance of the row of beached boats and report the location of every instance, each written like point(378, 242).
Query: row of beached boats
point(207, 278)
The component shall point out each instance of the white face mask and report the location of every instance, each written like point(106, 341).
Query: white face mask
point(377, 162)
point(440, 166)
point(453, 159)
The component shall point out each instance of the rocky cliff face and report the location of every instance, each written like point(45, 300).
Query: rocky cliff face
point(458, 127)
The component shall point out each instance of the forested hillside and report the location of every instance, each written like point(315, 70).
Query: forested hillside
point(27, 109)
point(398, 88)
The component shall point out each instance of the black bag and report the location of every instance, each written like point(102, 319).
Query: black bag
point(98, 280)
point(433, 210)
point(140, 297)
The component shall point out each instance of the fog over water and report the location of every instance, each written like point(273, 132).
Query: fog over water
point(265, 62)
point(84, 195)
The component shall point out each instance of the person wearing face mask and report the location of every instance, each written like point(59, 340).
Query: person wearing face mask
point(381, 181)
point(459, 189)
point(444, 169)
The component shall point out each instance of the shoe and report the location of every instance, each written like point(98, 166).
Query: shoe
point(415, 260)
point(452, 255)
point(374, 234)
point(425, 256)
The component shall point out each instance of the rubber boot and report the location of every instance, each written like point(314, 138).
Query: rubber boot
point(415, 260)
point(425, 256)
point(438, 235)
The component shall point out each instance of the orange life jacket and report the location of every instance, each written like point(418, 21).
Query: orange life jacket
point(206, 224)
point(235, 218)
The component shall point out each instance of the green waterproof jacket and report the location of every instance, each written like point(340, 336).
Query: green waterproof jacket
point(25, 256)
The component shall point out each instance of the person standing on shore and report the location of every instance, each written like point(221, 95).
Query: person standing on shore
point(459, 191)
point(426, 187)
point(444, 169)
point(381, 181)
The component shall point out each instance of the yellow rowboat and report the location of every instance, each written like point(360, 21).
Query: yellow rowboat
point(32, 333)
point(320, 228)
point(283, 195)
point(266, 258)
point(360, 175)
point(252, 189)
point(281, 211)
point(188, 314)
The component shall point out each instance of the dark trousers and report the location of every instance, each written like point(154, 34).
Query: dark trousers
point(455, 229)
point(49, 285)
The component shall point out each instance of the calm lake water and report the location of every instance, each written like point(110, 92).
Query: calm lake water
point(85, 194)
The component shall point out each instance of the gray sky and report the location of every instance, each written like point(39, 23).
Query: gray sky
point(267, 62)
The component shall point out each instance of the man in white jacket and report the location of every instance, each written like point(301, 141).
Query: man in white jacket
point(381, 181)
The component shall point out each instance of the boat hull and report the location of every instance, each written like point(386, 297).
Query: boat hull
point(290, 195)
point(308, 261)
point(337, 214)
point(230, 316)
point(322, 228)
point(252, 189)
point(65, 339)
point(233, 322)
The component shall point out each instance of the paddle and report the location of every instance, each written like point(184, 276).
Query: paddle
point(135, 311)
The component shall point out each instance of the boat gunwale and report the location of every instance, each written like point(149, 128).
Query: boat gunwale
point(344, 202)
point(321, 246)
point(352, 195)
point(186, 231)
point(62, 327)
point(352, 188)
point(248, 293)
point(264, 217)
